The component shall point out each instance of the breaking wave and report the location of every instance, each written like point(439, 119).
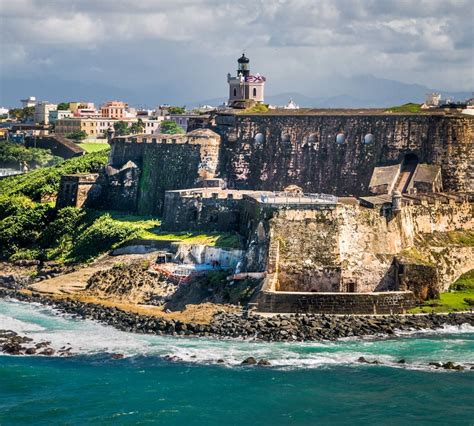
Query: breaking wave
point(86, 337)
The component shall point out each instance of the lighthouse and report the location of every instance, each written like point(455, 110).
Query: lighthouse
point(245, 89)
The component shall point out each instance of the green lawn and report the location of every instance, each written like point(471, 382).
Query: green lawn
point(94, 146)
point(149, 228)
point(453, 300)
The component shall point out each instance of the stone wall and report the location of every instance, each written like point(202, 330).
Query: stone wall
point(302, 149)
point(195, 213)
point(77, 190)
point(165, 167)
point(59, 145)
point(336, 303)
point(352, 248)
point(165, 162)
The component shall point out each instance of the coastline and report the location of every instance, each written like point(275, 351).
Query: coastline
point(277, 328)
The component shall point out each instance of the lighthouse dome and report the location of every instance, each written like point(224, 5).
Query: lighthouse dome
point(243, 59)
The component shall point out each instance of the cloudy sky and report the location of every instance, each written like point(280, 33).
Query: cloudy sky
point(178, 50)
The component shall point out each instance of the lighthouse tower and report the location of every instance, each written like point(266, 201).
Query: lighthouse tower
point(245, 89)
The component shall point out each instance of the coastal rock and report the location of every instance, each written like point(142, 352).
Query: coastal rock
point(117, 356)
point(249, 361)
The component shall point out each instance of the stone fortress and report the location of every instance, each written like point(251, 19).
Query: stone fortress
point(341, 211)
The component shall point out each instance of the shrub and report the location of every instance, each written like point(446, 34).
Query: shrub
point(170, 127)
point(24, 227)
point(464, 282)
point(100, 237)
point(26, 254)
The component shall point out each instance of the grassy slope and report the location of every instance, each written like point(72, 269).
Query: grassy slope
point(149, 228)
point(46, 181)
point(453, 300)
point(94, 146)
point(410, 107)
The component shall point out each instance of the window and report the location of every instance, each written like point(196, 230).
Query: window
point(235, 92)
point(254, 92)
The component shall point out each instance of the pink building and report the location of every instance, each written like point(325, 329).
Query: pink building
point(113, 109)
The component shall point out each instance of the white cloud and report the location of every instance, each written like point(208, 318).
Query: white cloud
point(351, 35)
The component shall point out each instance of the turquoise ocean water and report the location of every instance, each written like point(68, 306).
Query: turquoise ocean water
point(308, 383)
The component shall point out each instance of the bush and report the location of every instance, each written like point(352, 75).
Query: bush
point(23, 227)
point(464, 282)
point(103, 235)
point(78, 135)
point(26, 254)
point(169, 127)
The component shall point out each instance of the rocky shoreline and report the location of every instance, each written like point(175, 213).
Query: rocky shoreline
point(279, 328)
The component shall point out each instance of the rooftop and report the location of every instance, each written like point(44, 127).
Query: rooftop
point(343, 112)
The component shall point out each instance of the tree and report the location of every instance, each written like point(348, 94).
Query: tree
point(63, 106)
point(121, 128)
point(22, 114)
point(78, 135)
point(177, 110)
point(169, 127)
point(137, 127)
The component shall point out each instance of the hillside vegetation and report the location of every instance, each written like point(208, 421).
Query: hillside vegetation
point(44, 182)
point(34, 230)
point(30, 229)
point(460, 297)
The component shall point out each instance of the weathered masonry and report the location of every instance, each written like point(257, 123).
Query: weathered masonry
point(336, 152)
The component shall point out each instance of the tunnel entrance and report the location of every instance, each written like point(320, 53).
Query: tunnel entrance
point(407, 169)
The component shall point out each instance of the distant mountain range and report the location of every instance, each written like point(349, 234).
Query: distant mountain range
point(363, 91)
point(358, 92)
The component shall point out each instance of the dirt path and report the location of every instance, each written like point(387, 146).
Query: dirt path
point(74, 282)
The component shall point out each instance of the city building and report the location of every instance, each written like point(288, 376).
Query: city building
point(28, 102)
point(245, 89)
point(94, 127)
point(114, 109)
point(56, 115)
point(182, 120)
point(42, 110)
point(97, 128)
point(83, 109)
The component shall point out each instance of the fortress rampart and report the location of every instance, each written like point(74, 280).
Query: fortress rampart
point(336, 152)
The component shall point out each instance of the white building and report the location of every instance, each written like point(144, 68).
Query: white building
point(291, 105)
point(56, 115)
point(28, 102)
point(42, 110)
